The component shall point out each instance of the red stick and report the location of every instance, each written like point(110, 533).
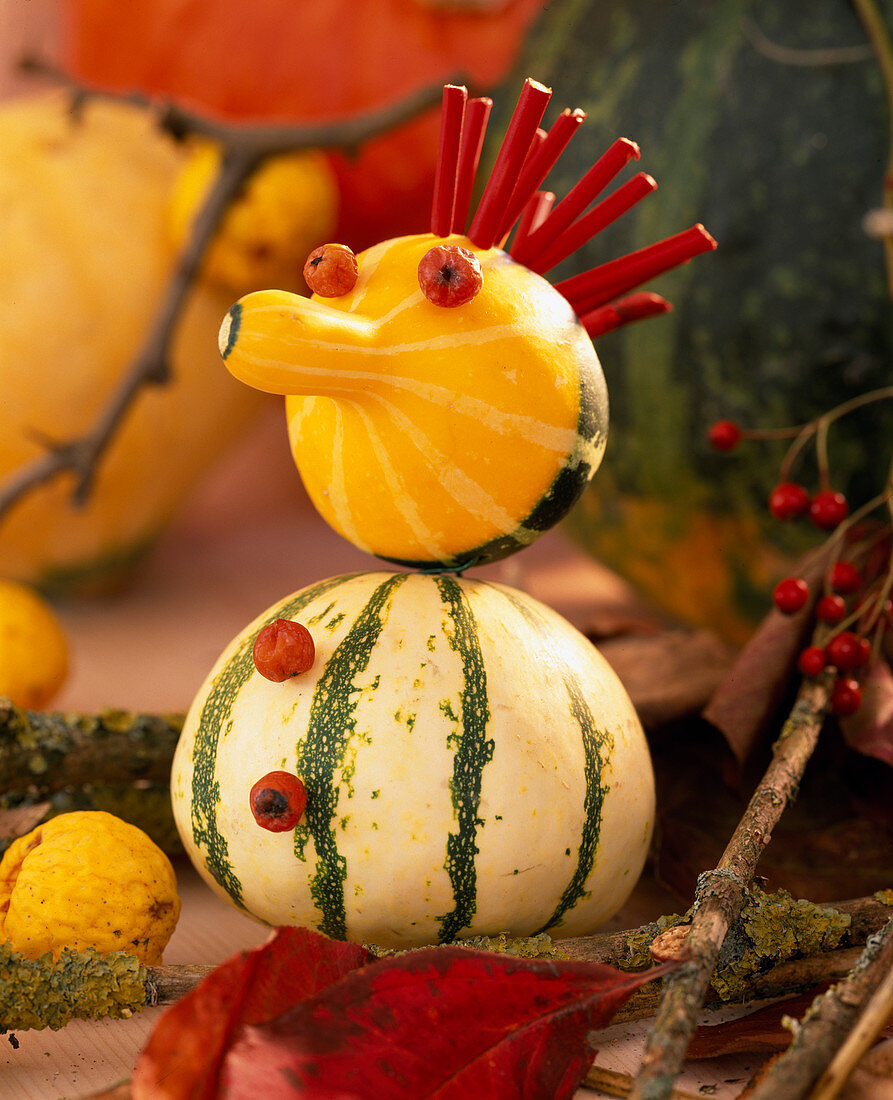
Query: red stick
point(538, 166)
point(521, 129)
point(578, 198)
point(474, 126)
point(623, 312)
point(453, 109)
point(601, 285)
point(593, 222)
point(534, 213)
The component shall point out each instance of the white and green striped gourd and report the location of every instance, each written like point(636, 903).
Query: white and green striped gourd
point(472, 765)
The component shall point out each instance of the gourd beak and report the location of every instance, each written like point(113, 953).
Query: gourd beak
point(283, 343)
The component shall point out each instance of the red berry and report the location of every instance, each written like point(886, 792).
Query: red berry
point(828, 509)
point(830, 609)
point(331, 270)
point(724, 435)
point(845, 651)
point(283, 649)
point(788, 499)
point(846, 697)
point(450, 275)
point(845, 577)
point(812, 660)
point(278, 801)
point(790, 595)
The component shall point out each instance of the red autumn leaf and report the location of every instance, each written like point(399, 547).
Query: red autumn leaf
point(870, 729)
point(183, 1056)
point(445, 1023)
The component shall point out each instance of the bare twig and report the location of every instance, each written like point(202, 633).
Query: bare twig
point(245, 148)
point(611, 1083)
point(829, 1022)
point(721, 892)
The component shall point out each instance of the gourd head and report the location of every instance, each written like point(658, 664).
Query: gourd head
point(445, 404)
point(444, 426)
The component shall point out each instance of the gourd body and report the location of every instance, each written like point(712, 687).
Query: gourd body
point(86, 259)
point(430, 435)
point(472, 765)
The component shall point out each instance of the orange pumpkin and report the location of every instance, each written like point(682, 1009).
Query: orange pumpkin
point(281, 60)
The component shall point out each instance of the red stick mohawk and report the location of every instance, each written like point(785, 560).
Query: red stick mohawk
point(546, 235)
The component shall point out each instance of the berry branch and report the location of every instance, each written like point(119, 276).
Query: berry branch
point(245, 148)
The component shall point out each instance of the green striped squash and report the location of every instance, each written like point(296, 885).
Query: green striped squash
point(473, 766)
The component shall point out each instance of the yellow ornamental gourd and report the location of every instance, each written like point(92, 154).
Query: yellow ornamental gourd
point(87, 256)
point(445, 404)
point(471, 766)
point(430, 435)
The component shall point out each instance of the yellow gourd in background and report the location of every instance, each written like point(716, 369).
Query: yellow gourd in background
point(87, 254)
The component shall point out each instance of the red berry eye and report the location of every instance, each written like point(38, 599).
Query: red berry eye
point(283, 649)
point(449, 275)
point(331, 270)
point(278, 801)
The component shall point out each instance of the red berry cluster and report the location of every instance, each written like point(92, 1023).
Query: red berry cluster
point(846, 652)
point(853, 612)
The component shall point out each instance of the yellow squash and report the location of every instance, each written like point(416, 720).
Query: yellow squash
point(430, 435)
point(86, 256)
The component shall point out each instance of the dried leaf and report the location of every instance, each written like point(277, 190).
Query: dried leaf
point(186, 1049)
point(669, 675)
point(445, 1022)
point(870, 729)
point(746, 702)
point(757, 1032)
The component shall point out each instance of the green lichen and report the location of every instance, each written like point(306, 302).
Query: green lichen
point(526, 947)
point(83, 985)
point(771, 929)
point(885, 897)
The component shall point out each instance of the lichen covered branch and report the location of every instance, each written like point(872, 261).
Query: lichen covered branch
point(721, 894)
point(48, 752)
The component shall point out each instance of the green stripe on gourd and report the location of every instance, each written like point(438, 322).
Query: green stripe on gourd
point(472, 766)
point(473, 752)
point(214, 722)
point(323, 753)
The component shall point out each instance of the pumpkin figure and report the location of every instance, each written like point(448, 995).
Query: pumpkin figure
point(438, 432)
point(472, 766)
point(442, 757)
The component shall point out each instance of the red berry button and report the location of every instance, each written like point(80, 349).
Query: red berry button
point(278, 801)
point(812, 660)
point(450, 275)
point(724, 435)
point(847, 651)
point(790, 595)
point(830, 609)
point(828, 509)
point(845, 577)
point(283, 649)
point(846, 697)
point(788, 499)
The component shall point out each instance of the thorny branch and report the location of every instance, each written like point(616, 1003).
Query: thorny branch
point(245, 147)
point(721, 894)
